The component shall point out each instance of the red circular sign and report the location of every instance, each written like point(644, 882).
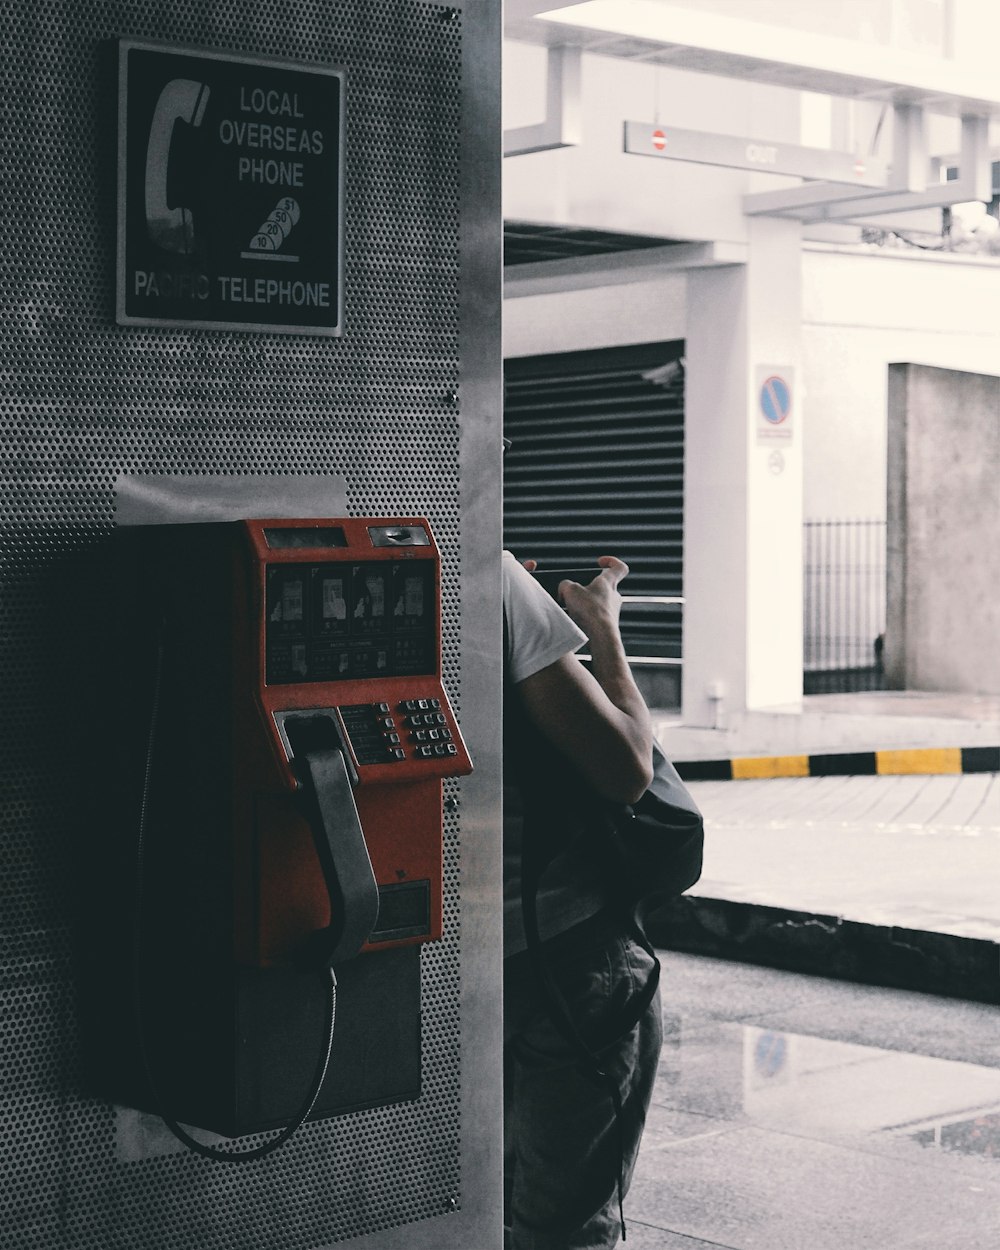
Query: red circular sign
point(659, 140)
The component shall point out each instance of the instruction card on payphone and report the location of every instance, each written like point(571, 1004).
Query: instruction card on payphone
point(332, 622)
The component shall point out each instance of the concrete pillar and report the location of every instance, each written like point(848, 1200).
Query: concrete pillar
point(743, 481)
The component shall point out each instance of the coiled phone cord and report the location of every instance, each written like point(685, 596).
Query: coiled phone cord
point(182, 1135)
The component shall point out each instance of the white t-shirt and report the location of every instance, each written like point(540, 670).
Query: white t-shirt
point(538, 633)
point(538, 630)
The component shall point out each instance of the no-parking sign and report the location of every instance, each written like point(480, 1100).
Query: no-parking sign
point(775, 390)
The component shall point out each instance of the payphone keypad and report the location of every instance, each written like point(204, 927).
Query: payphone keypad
point(414, 729)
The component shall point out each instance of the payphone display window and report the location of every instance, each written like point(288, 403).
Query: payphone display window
point(312, 536)
point(330, 622)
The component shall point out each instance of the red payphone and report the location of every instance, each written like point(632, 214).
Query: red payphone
point(339, 640)
point(281, 734)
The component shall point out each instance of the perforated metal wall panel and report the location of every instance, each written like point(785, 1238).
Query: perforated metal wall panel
point(85, 400)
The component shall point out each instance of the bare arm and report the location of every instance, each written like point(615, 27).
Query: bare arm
point(598, 718)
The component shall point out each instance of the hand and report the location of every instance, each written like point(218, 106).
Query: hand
point(598, 603)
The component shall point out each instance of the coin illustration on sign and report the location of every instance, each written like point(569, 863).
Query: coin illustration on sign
point(269, 238)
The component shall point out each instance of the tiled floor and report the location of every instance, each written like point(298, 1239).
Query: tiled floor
point(954, 801)
point(794, 1113)
point(981, 707)
point(918, 852)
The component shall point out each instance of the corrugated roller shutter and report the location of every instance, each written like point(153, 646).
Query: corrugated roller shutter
point(597, 467)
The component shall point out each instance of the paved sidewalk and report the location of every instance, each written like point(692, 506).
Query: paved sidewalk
point(908, 851)
point(865, 721)
point(796, 1113)
point(887, 879)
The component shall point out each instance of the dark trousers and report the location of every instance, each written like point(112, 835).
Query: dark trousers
point(561, 1141)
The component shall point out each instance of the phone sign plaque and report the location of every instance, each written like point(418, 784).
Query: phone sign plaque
point(230, 191)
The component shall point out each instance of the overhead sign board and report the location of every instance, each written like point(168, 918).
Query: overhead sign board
point(705, 148)
point(230, 191)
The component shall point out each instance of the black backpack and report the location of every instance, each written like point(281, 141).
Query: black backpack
point(646, 852)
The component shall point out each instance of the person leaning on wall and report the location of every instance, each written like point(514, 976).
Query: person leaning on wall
point(569, 1147)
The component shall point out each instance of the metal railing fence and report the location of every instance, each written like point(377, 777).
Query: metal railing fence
point(843, 604)
point(651, 629)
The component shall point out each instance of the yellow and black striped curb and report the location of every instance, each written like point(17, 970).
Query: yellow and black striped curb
point(924, 760)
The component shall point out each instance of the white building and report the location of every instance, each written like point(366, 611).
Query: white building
point(798, 163)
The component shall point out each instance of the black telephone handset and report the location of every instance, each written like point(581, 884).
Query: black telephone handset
point(171, 226)
point(340, 843)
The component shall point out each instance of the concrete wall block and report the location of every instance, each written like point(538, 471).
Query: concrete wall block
point(943, 616)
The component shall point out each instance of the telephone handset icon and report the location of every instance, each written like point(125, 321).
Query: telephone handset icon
point(171, 226)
